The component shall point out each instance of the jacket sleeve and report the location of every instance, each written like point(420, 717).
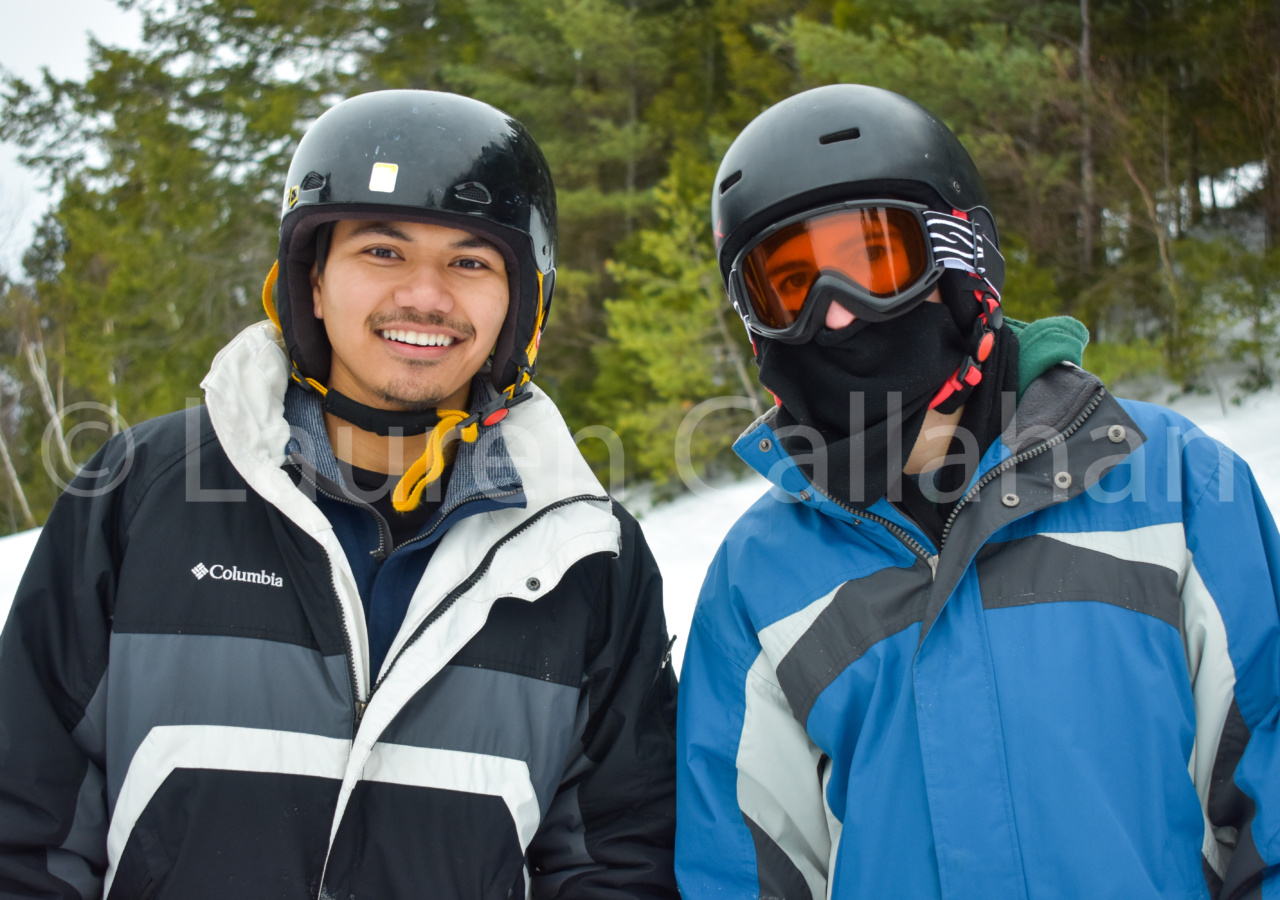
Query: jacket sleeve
point(610, 828)
point(53, 658)
point(1231, 609)
point(752, 817)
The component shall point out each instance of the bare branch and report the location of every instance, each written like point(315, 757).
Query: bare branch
point(15, 484)
point(39, 367)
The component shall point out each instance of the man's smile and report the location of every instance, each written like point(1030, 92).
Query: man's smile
point(417, 338)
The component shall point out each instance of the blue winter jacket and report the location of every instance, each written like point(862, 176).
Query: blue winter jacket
point(1075, 696)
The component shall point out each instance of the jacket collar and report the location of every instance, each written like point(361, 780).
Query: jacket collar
point(1050, 407)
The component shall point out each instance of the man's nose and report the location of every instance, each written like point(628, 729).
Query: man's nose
point(424, 287)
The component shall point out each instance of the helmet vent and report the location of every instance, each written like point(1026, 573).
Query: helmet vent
point(473, 191)
point(849, 134)
point(312, 181)
point(730, 181)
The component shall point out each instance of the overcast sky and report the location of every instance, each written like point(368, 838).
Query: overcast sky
point(52, 34)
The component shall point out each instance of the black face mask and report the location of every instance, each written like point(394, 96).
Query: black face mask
point(853, 405)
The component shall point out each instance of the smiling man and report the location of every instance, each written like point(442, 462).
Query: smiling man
point(364, 624)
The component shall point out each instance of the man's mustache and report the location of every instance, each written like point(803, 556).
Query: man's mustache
point(383, 320)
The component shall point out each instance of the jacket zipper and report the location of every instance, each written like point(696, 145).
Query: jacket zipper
point(384, 530)
point(474, 578)
point(430, 531)
point(893, 527)
point(384, 533)
point(1022, 457)
point(359, 703)
point(919, 549)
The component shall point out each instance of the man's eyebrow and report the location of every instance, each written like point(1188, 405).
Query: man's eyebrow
point(789, 266)
point(386, 229)
point(474, 242)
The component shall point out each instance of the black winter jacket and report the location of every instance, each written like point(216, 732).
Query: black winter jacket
point(186, 709)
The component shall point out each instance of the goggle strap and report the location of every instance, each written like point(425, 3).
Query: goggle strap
point(958, 244)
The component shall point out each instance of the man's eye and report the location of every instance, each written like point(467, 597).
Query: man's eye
point(470, 263)
point(796, 281)
point(383, 252)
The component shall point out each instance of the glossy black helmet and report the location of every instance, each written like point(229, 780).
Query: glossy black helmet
point(422, 156)
point(847, 142)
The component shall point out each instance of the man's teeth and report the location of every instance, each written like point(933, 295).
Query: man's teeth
point(418, 338)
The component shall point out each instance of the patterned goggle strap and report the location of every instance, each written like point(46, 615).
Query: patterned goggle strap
point(958, 243)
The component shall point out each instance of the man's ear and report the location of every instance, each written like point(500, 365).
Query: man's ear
point(316, 291)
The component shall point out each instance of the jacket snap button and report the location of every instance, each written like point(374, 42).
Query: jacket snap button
point(766, 445)
point(1062, 480)
point(533, 584)
point(804, 496)
point(1010, 500)
point(1116, 433)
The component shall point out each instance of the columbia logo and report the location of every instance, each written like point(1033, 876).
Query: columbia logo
point(220, 572)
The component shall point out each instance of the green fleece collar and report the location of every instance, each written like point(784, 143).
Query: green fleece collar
point(1045, 343)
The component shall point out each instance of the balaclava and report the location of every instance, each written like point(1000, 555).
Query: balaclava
point(866, 394)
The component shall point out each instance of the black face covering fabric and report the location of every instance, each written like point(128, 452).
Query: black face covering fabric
point(852, 406)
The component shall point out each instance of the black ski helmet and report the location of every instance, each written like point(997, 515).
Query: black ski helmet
point(836, 143)
point(423, 156)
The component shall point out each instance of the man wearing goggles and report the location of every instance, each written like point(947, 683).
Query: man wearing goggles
point(993, 633)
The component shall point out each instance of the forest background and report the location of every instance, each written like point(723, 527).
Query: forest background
point(1131, 147)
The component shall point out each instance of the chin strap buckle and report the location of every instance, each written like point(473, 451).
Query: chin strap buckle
point(958, 387)
point(494, 411)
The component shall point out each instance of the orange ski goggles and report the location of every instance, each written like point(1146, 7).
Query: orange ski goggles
point(874, 257)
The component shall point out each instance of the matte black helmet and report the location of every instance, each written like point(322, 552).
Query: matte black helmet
point(421, 156)
point(849, 142)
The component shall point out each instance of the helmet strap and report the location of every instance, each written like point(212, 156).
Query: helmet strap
point(982, 340)
point(383, 422)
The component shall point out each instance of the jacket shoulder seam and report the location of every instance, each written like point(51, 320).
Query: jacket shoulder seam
point(162, 468)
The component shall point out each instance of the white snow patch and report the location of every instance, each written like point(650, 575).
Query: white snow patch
point(15, 550)
point(685, 533)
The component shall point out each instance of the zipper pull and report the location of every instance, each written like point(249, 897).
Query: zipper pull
point(666, 656)
point(933, 565)
point(361, 706)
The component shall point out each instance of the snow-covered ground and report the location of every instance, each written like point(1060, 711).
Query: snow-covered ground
point(685, 533)
point(14, 552)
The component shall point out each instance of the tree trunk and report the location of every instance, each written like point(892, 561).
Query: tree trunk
point(1166, 262)
point(731, 348)
point(1087, 202)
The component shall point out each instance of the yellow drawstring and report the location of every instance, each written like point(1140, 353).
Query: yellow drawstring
point(531, 351)
point(429, 466)
point(267, 303)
